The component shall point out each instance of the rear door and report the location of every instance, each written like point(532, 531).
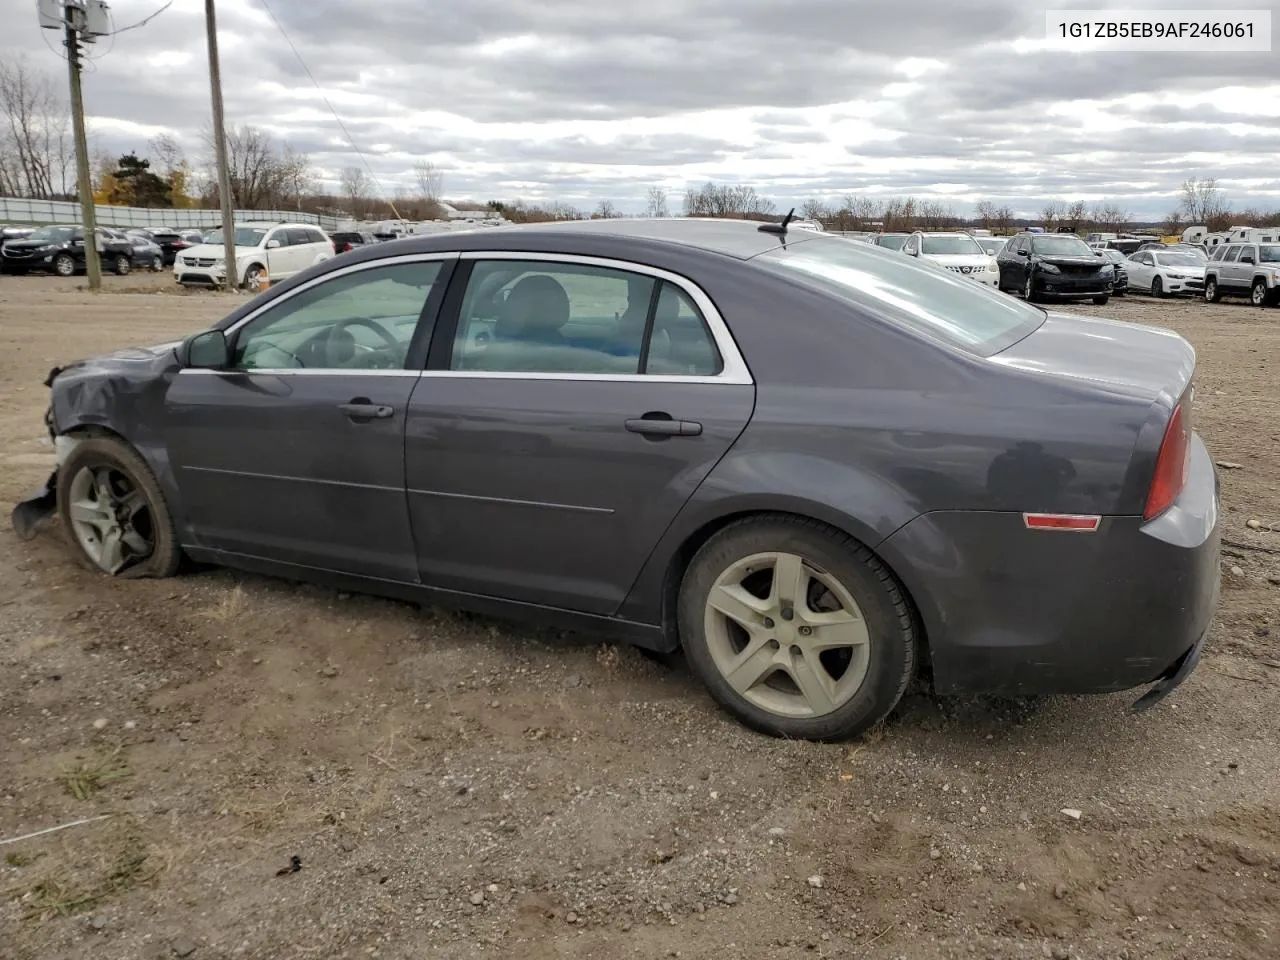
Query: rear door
point(296, 453)
point(1229, 271)
point(570, 407)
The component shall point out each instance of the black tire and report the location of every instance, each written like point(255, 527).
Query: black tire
point(1029, 290)
point(1101, 301)
point(166, 554)
point(157, 264)
point(1211, 292)
point(1259, 295)
point(64, 265)
point(1157, 287)
point(892, 647)
point(122, 265)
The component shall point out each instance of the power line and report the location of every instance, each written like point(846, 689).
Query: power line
point(320, 90)
point(144, 21)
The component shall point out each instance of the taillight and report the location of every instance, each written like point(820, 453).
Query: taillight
point(346, 247)
point(1172, 464)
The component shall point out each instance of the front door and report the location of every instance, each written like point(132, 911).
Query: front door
point(296, 452)
point(567, 414)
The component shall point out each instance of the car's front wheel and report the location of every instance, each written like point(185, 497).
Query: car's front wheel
point(1029, 290)
point(114, 511)
point(1157, 287)
point(1258, 294)
point(796, 629)
point(255, 278)
point(64, 265)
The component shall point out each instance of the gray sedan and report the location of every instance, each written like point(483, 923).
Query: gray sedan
point(819, 467)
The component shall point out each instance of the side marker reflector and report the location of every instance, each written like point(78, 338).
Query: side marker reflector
point(1071, 522)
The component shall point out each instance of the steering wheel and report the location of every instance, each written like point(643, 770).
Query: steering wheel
point(341, 326)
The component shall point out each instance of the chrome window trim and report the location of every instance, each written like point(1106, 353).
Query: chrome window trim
point(733, 366)
point(734, 370)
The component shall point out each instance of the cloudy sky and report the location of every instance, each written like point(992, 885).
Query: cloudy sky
point(583, 100)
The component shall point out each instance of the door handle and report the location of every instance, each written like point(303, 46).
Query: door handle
point(659, 425)
point(362, 409)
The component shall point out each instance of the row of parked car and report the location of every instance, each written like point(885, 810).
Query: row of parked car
point(1042, 266)
point(61, 249)
point(264, 251)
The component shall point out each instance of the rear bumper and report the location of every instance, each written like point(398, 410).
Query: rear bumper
point(1014, 611)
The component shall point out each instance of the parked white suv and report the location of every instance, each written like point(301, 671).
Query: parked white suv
point(958, 252)
point(265, 253)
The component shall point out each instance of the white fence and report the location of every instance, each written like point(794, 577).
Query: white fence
point(58, 211)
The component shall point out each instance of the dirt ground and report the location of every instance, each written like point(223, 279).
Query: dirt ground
point(459, 787)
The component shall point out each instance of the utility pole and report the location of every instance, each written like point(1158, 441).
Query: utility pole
point(75, 21)
point(232, 279)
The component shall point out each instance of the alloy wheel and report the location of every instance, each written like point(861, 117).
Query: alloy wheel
point(64, 266)
point(110, 517)
point(1259, 294)
point(786, 635)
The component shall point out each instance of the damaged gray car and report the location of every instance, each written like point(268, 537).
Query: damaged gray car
point(820, 468)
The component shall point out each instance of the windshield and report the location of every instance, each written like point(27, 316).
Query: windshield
point(245, 237)
point(992, 246)
point(891, 241)
point(911, 293)
point(1178, 260)
point(1269, 253)
point(1061, 247)
point(956, 245)
point(50, 234)
point(1115, 256)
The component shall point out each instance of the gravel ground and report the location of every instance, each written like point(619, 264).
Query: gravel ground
point(457, 787)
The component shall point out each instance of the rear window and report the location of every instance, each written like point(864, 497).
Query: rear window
point(917, 295)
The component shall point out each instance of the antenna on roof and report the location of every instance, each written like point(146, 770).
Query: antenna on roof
point(778, 228)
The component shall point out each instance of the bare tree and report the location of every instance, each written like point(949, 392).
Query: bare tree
point(1173, 223)
point(37, 156)
point(1203, 203)
point(430, 180)
point(605, 210)
point(985, 212)
point(815, 209)
point(857, 213)
point(1051, 214)
point(1004, 218)
point(656, 202)
point(296, 179)
point(356, 187)
point(935, 215)
point(723, 200)
point(260, 173)
point(1074, 216)
point(901, 214)
point(1111, 217)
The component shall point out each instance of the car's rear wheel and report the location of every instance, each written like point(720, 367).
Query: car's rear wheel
point(114, 512)
point(1211, 293)
point(122, 265)
point(157, 263)
point(1029, 290)
point(796, 629)
point(1157, 287)
point(64, 265)
point(1258, 294)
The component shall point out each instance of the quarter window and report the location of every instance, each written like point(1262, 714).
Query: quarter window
point(540, 317)
point(358, 321)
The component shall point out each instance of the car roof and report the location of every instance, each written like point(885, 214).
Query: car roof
point(740, 239)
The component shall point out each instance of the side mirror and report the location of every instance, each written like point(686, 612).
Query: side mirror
point(1024, 253)
point(272, 244)
point(1247, 259)
point(206, 351)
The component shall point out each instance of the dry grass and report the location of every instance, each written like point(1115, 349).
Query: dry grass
point(60, 896)
point(85, 778)
point(232, 606)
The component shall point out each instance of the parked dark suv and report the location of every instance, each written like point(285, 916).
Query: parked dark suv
point(60, 250)
point(1042, 265)
point(170, 242)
